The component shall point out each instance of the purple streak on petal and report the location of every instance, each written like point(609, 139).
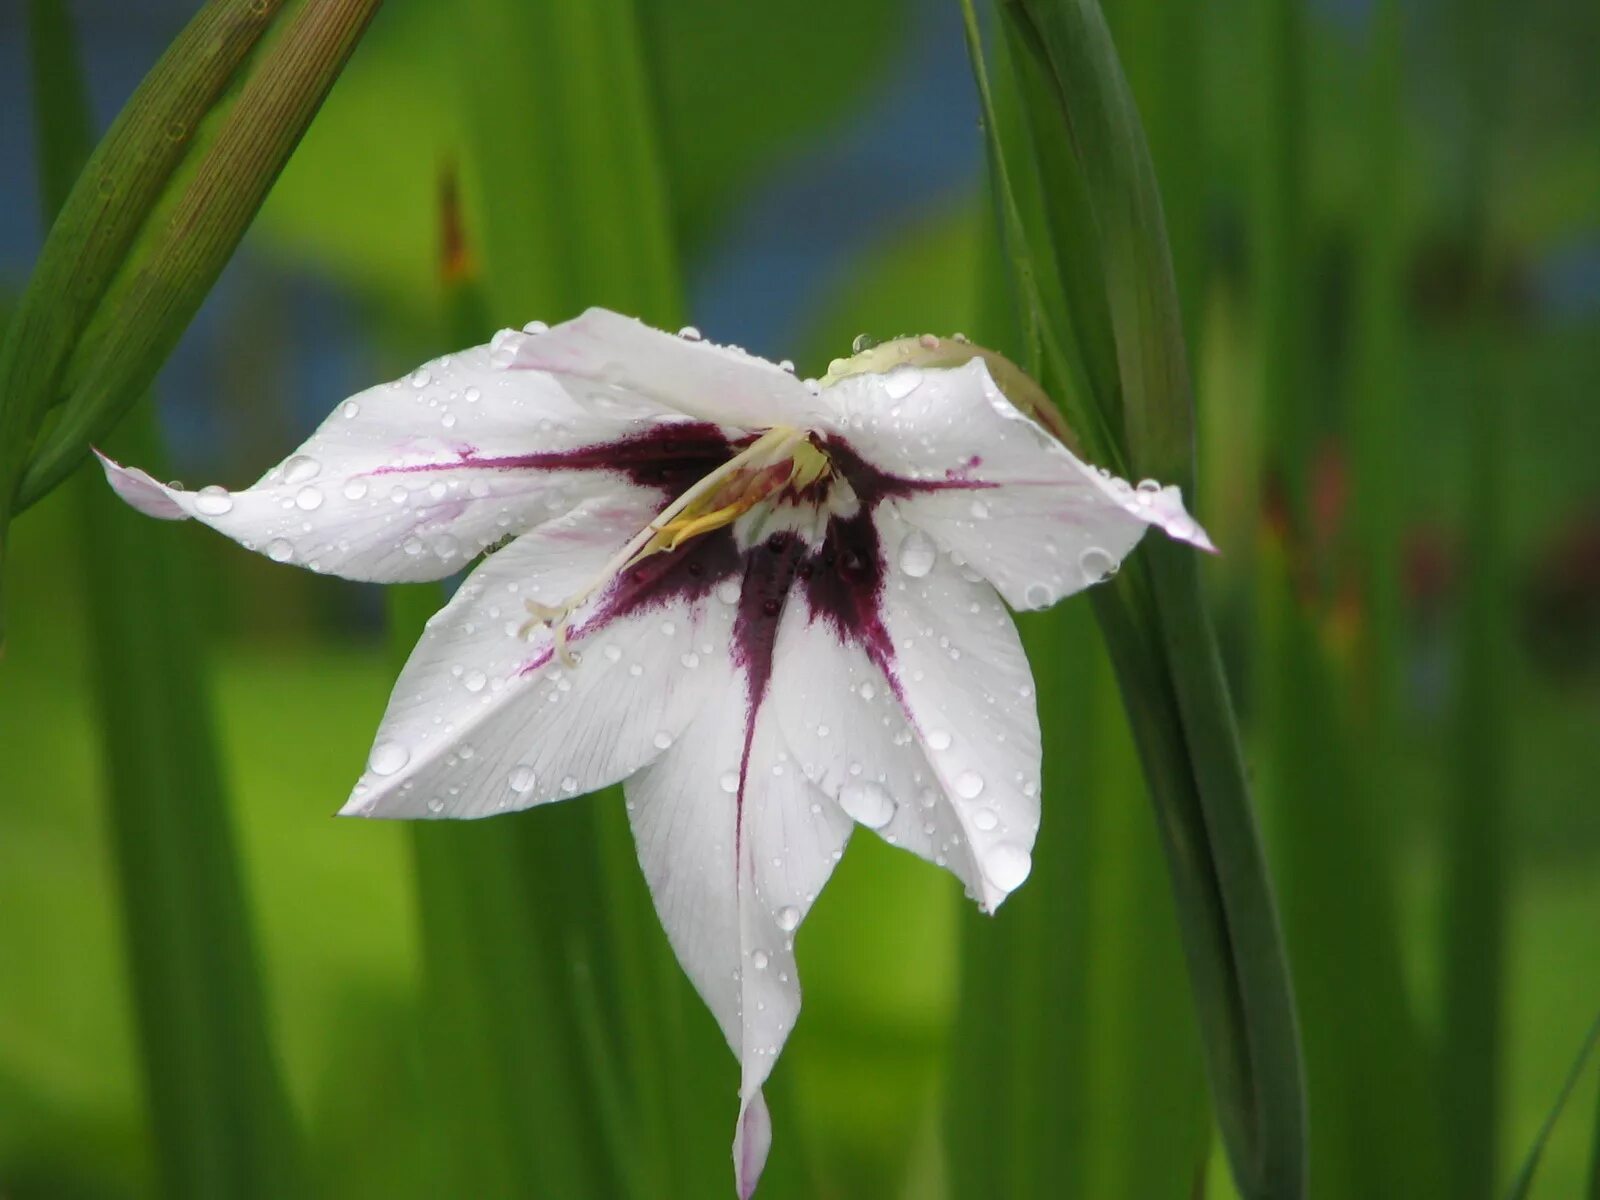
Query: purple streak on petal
point(873, 484)
point(671, 457)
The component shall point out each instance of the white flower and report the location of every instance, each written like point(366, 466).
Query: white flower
point(772, 609)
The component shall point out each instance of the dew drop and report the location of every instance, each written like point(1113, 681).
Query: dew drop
point(1039, 595)
point(729, 782)
point(1007, 865)
point(387, 758)
point(308, 498)
point(350, 409)
point(355, 489)
point(301, 468)
point(868, 691)
point(446, 546)
point(436, 805)
point(788, 918)
point(728, 591)
point(690, 333)
point(917, 554)
point(662, 740)
point(979, 510)
point(938, 739)
point(867, 802)
point(569, 784)
point(473, 681)
point(522, 778)
point(279, 550)
point(969, 784)
point(901, 382)
point(1149, 486)
point(1096, 564)
point(421, 378)
point(985, 819)
point(759, 959)
point(212, 501)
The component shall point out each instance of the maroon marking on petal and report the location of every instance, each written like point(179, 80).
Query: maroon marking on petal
point(671, 457)
point(872, 484)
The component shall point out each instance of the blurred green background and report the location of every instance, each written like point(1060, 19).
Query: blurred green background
point(1386, 222)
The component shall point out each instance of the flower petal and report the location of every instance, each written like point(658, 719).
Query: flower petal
point(736, 844)
point(988, 483)
point(486, 717)
point(410, 480)
point(895, 718)
point(722, 384)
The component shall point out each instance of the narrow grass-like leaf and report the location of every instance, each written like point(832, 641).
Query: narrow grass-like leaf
point(1523, 1183)
point(1157, 628)
point(1074, 1049)
point(150, 302)
point(219, 1116)
point(99, 221)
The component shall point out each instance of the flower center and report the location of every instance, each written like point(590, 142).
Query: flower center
point(781, 460)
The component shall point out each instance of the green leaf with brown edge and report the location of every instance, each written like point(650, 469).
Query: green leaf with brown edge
point(220, 1119)
point(1158, 629)
point(100, 220)
point(150, 303)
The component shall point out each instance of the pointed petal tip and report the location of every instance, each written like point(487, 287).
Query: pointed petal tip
point(141, 491)
point(751, 1143)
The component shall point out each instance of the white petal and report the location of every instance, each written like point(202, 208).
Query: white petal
point(715, 383)
point(893, 731)
point(736, 844)
point(990, 484)
point(958, 671)
point(410, 480)
point(484, 720)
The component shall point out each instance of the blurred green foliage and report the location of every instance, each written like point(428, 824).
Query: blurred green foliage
point(1350, 530)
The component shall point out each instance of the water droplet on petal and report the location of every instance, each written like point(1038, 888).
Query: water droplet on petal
point(938, 739)
point(421, 378)
point(788, 918)
point(662, 740)
point(473, 681)
point(901, 382)
point(1039, 595)
point(350, 409)
point(355, 489)
point(690, 333)
point(301, 468)
point(1007, 865)
point(212, 501)
point(387, 758)
point(1149, 486)
point(279, 550)
point(979, 510)
point(917, 554)
point(1097, 565)
point(868, 691)
point(308, 498)
point(436, 804)
point(728, 591)
point(759, 959)
point(985, 819)
point(969, 784)
point(729, 782)
point(867, 802)
point(522, 778)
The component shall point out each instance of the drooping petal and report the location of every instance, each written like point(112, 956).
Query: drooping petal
point(977, 477)
point(488, 717)
point(958, 671)
point(914, 709)
point(617, 355)
point(736, 843)
point(410, 480)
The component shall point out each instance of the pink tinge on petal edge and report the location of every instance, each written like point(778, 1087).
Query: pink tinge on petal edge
point(141, 491)
point(750, 1145)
